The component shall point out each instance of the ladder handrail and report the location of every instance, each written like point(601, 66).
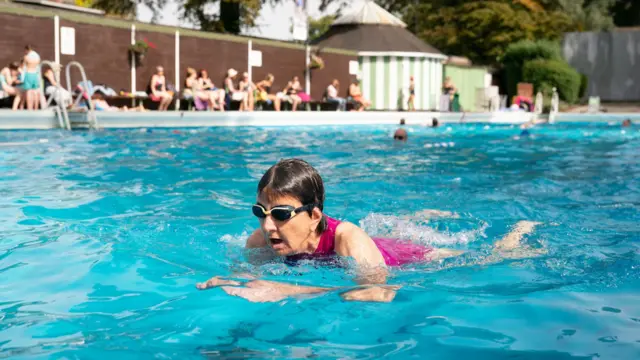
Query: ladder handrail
point(61, 110)
point(91, 117)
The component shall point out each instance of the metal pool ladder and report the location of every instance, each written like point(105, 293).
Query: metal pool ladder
point(92, 120)
point(60, 109)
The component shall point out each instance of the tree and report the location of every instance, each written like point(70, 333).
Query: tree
point(626, 13)
point(319, 26)
point(231, 17)
point(481, 30)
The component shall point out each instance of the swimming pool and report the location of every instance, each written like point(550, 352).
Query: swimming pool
point(104, 234)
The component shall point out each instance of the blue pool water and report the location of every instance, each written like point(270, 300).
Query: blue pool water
point(103, 236)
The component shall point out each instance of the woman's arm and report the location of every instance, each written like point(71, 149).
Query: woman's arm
point(230, 85)
point(372, 272)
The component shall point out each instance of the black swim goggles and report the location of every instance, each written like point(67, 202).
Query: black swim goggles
point(280, 212)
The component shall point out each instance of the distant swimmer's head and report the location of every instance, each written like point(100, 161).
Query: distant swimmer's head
point(402, 122)
point(525, 133)
point(289, 206)
point(626, 123)
point(434, 122)
point(401, 135)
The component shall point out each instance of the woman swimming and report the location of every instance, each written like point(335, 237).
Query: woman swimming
point(293, 226)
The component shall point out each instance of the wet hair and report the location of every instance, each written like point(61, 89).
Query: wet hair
point(298, 179)
point(434, 122)
point(402, 122)
point(626, 123)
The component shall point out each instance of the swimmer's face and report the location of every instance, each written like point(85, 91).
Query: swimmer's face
point(290, 236)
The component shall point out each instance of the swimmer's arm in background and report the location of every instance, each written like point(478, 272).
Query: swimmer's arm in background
point(351, 241)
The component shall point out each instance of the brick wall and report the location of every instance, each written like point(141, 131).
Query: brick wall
point(103, 51)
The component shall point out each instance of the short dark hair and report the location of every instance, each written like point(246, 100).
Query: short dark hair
point(434, 122)
point(28, 47)
point(298, 179)
point(14, 65)
point(402, 122)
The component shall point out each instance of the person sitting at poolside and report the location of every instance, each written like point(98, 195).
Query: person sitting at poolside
point(297, 89)
point(193, 88)
point(332, 95)
point(401, 135)
point(355, 95)
point(233, 93)
point(157, 90)
point(289, 206)
point(100, 104)
point(264, 92)
point(31, 78)
point(249, 88)
point(9, 83)
point(207, 85)
point(290, 94)
point(60, 95)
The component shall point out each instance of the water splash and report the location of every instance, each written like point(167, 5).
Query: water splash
point(415, 228)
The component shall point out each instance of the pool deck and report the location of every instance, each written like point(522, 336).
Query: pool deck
point(46, 119)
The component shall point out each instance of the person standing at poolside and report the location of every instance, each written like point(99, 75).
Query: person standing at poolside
point(31, 78)
point(293, 226)
point(412, 95)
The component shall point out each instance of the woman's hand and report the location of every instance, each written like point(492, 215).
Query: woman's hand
point(371, 294)
point(217, 281)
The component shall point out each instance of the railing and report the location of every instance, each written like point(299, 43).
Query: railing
point(91, 115)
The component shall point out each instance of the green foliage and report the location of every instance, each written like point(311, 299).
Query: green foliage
point(319, 26)
point(626, 13)
point(523, 51)
point(482, 30)
point(519, 53)
point(232, 17)
point(543, 73)
point(584, 85)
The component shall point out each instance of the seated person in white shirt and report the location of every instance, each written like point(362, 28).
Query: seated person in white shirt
point(332, 95)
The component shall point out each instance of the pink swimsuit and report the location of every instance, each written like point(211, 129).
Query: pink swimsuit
point(395, 252)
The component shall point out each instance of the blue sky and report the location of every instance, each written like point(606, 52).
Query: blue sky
point(274, 22)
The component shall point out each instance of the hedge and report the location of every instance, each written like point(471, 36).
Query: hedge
point(519, 53)
point(553, 73)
